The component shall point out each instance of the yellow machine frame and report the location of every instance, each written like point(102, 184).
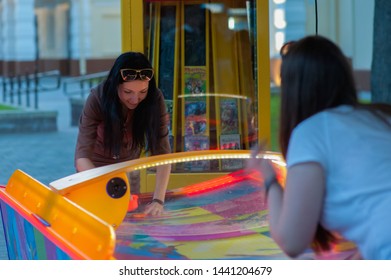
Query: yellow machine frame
point(133, 35)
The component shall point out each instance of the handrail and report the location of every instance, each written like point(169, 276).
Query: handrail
point(90, 80)
point(28, 83)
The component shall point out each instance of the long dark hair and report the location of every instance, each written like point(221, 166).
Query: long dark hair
point(146, 116)
point(315, 75)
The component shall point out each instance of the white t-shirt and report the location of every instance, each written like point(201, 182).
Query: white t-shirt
point(354, 149)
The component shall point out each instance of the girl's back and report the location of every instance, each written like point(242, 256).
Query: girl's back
point(354, 148)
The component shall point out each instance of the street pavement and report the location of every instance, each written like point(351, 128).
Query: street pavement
point(44, 156)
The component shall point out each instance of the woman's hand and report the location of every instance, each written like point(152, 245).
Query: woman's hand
point(154, 209)
point(83, 164)
point(261, 165)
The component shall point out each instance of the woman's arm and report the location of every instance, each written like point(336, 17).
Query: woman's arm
point(294, 213)
point(162, 172)
point(162, 177)
point(83, 164)
point(90, 118)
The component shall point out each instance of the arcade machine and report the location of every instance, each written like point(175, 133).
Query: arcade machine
point(211, 60)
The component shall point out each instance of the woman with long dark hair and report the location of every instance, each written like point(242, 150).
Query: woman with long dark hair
point(123, 116)
point(338, 155)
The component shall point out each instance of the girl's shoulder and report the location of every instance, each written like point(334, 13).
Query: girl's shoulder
point(93, 100)
point(97, 91)
point(322, 121)
point(342, 111)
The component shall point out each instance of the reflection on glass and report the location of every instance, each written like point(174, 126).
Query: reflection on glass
point(203, 54)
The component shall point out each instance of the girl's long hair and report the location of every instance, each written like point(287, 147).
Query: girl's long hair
point(315, 75)
point(146, 118)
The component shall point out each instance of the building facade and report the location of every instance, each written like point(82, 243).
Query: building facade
point(83, 36)
point(75, 36)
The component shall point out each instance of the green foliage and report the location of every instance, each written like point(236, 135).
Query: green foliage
point(6, 107)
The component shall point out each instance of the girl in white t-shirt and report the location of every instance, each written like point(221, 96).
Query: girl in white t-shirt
point(338, 155)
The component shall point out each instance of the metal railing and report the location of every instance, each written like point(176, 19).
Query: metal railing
point(14, 88)
point(81, 85)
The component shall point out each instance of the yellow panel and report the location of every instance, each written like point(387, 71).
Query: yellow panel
point(125, 25)
point(224, 53)
point(86, 234)
point(263, 77)
point(132, 25)
point(156, 40)
point(93, 196)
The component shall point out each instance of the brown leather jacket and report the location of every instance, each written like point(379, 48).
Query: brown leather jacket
point(91, 130)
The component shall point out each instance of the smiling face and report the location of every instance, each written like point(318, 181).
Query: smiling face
point(132, 93)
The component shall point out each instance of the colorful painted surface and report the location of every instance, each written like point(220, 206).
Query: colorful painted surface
point(227, 222)
point(222, 218)
point(24, 241)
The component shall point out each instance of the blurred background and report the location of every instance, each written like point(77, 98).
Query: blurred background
point(80, 37)
point(53, 51)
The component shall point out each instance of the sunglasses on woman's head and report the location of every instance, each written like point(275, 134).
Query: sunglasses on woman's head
point(133, 74)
